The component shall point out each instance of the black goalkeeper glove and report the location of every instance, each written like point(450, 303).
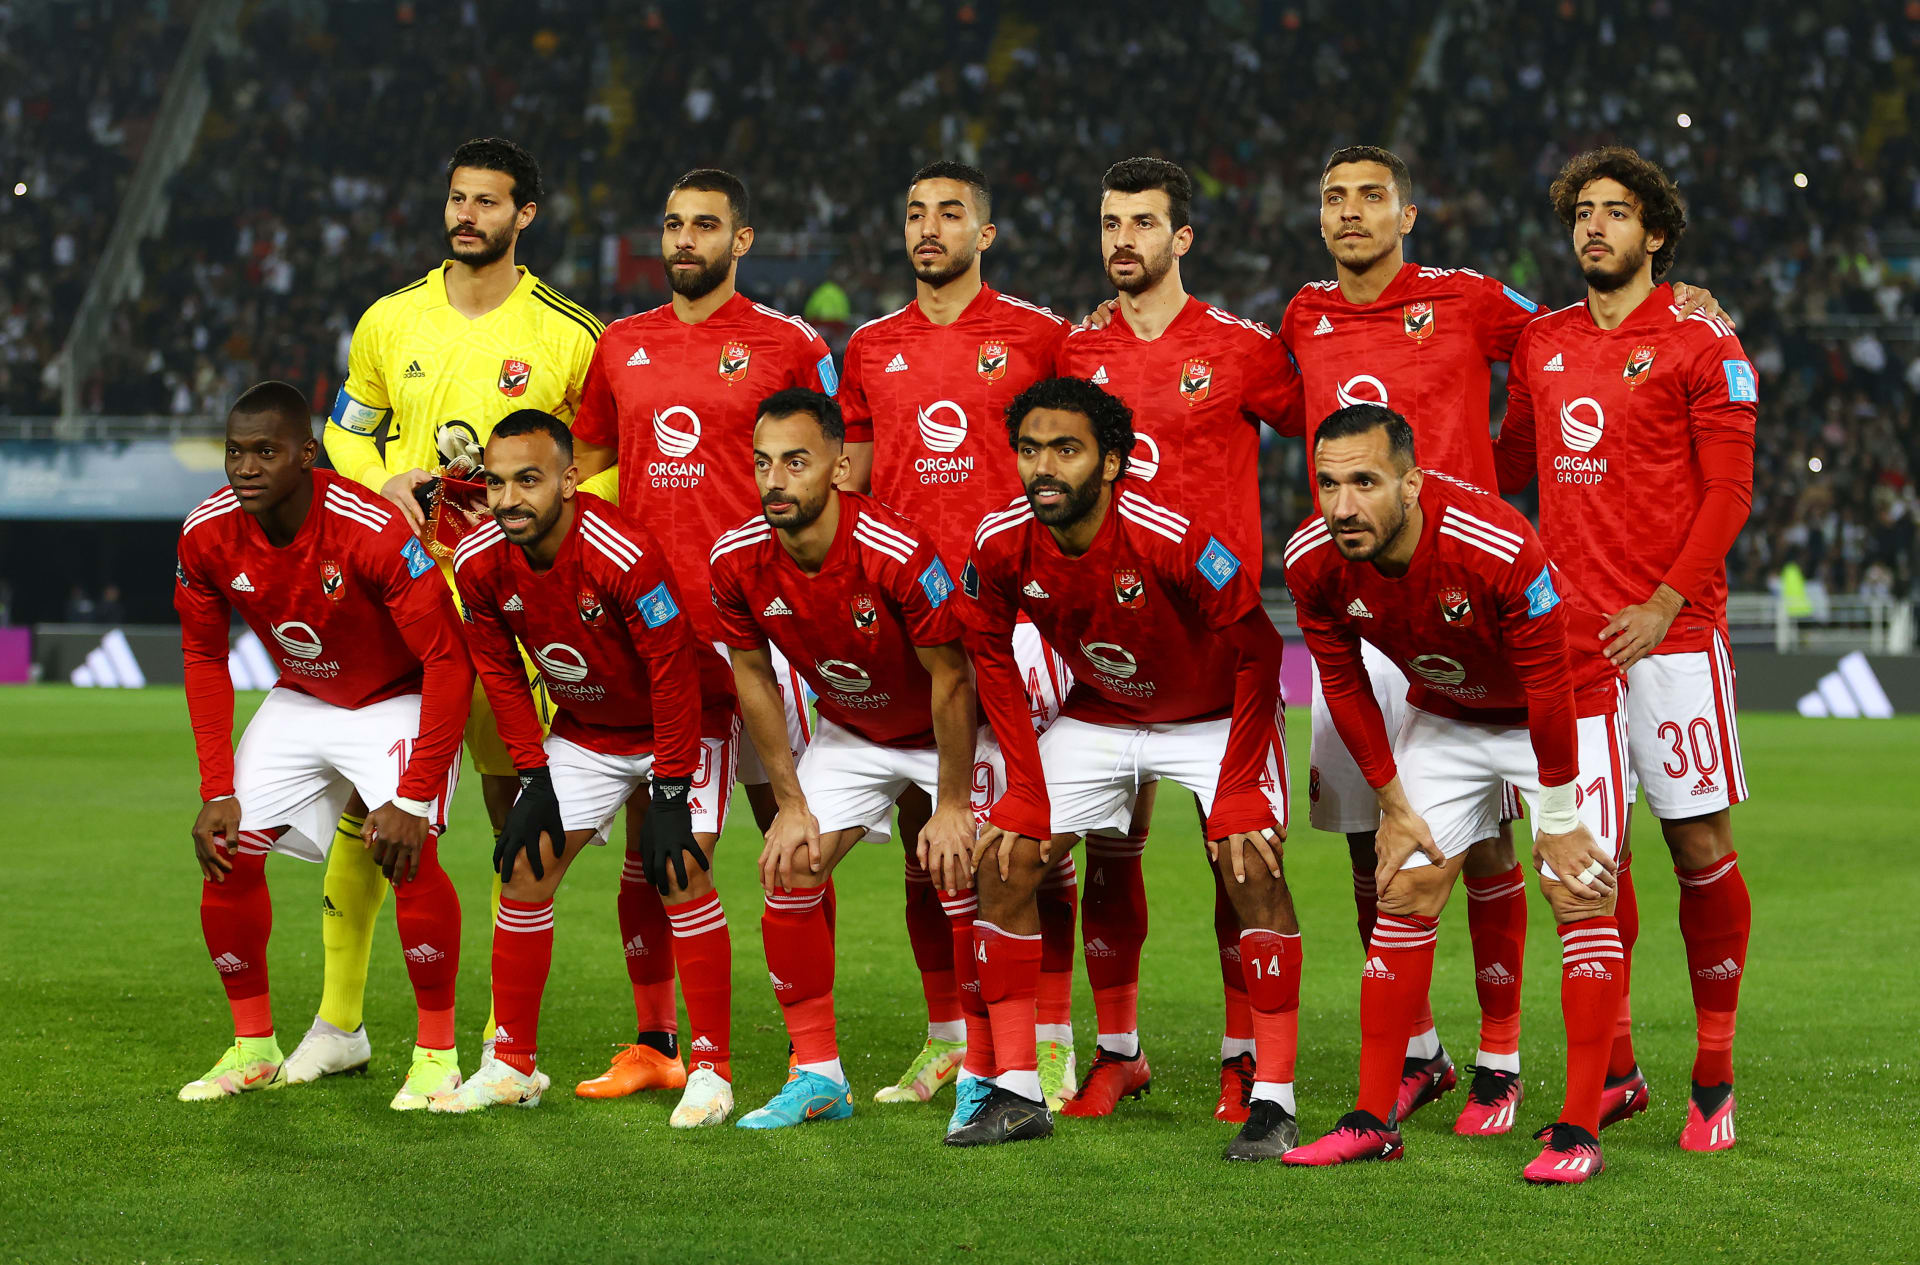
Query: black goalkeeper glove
point(534, 813)
point(667, 833)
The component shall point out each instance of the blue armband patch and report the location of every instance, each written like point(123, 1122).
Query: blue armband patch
point(1217, 563)
point(1519, 299)
point(350, 414)
point(1742, 386)
point(829, 376)
point(936, 583)
point(1540, 595)
point(657, 606)
point(418, 560)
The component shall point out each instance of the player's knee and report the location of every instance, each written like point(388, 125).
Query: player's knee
point(1492, 856)
point(1568, 907)
point(1697, 842)
point(1419, 892)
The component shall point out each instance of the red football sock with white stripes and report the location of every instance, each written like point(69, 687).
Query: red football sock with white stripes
point(960, 909)
point(236, 917)
point(522, 959)
point(1716, 915)
point(1271, 962)
point(1238, 1038)
point(1393, 992)
point(704, 956)
point(1059, 902)
point(1113, 926)
point(648, 942)
point(1366, 904)
point(1009, 981)
point(932, 939)
point(427, 911)
point(1497, 923)
point(1590, 982)
point(800, 959)
point(1626, 911)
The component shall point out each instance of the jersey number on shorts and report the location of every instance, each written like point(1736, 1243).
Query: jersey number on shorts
point(399, 749)
point(983, 788)
point(1597, 790)
point(1700, 737)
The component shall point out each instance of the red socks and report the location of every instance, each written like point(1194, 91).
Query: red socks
point(522, 958)
point(1271, 962)
point(1009, 982)
point(648, 944)
point(237, 917)
point(932, 940)
point(1113, 926)
point(1393, 991)
point(960, 908)
point(800, 959)
point(1233, 982)
point(428, 913)
point(1592, 975)
point(1715, 916)
point(1059, 902)
point(1497, 923)
point(1626, 911)
point(704, 957)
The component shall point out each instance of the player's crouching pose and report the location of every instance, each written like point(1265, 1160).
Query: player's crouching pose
point(1508, 685)
point(856, 598)
point(1177, 675)
point(588, 591)
point(373, 692)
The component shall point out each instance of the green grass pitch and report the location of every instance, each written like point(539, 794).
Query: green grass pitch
point(111, 1006)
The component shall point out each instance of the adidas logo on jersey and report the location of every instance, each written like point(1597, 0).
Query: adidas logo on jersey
point(1033, 589)
point(241, 584)
point(1728, 969)
point(639, 357)
point(228, 963)
point(703, 1045)
point(1589, 970)
point(1376, 969)
point(1556, 365)
point(1098, 948)
point(1705, 786)
point(1324, 327)
point(414, 371)
point(778, 606)
point(1358, 609)
point(1495, 974)
point(898, 364)
point(512, 604)
point(1099, 377)
point(637, 948)
point(424, 953)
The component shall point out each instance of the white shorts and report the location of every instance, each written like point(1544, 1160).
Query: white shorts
point(1045, 674)
point(849, 781)
point(749, 771)
point(1094, 771)
point(1455, 774)
point(591, 786)
point(1685, 737)
point(300, 761)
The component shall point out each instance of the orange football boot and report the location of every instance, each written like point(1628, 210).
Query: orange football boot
point(635, 1068)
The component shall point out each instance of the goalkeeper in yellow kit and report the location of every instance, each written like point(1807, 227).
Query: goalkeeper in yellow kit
point(475, 339)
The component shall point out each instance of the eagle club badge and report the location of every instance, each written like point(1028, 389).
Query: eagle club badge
point(332, 580)
point(592, 614)
point(1128, 590)
point(993, 361)
point(1639, 365)
point(1417, 320)
point(866, 615)
point(514, 375)
point(1196, 379)
point(733, 361)
point(1454, 607)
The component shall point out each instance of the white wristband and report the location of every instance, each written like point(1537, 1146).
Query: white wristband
point(1555, 810)
point(418, 807)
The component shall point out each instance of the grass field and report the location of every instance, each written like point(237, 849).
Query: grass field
point(111, 1005)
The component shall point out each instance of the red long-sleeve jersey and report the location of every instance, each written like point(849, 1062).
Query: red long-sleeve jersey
point(1647, 476)
point(605, 627)
point(1139, 617)
point(352, 611)
point(1481, 624)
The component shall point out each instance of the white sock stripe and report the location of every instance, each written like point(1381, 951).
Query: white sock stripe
point(1590, 933)
point(633, 872)
point(1711, 876)
point(1105, 846)
point(987, 926)
point(1575, 959)
point(686, 931)
point(798, 901)
point(1498, 893)
point(1268, 931)
point(914, 872)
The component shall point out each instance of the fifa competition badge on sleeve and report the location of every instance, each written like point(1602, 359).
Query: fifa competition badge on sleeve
point(1540, 595)
point(1218, 564)
point(657, 606)
point(418, 562)
point(1742, 388)
point(936, 582)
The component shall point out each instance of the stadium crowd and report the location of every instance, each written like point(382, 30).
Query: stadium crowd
point(304, 200)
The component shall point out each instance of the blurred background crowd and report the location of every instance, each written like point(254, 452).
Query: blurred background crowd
point(316, 182)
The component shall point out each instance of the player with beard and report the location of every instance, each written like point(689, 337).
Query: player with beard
point(927, 386)
point(431, 368)
point(1199, 381)
point(1645, 483)
point(1176, 675)
point(670, 402)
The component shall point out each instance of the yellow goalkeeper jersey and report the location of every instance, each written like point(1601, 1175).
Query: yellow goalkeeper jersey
point(416, 363)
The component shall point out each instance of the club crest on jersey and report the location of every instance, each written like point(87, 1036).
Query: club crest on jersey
point(1417, 320)
point(866, 615)
point(514, 376)
point(592, 614)
point(332, 580)
point(1128, 589)
point(733, 361)
point(1639, 365)
point(993, 361)
point(1196, 379)
point(1454, 606)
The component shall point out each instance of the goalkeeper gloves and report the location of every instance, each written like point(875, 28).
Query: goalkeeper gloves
point(534, 813)
point(667, 834)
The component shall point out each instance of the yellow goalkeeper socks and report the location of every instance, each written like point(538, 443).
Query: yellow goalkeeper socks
point(487, 1035)
point(354, 891)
